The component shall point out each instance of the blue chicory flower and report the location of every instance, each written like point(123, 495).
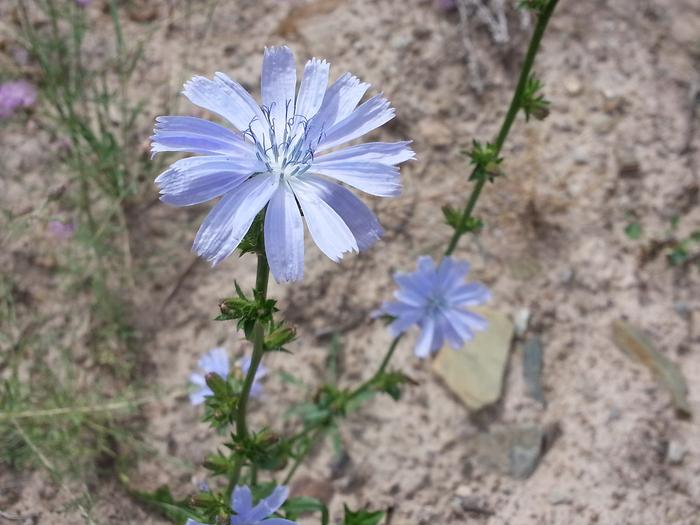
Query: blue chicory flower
point(247, 514)
point(256, 388)
point(215, 361)
point(436, 299)
point(279, 158)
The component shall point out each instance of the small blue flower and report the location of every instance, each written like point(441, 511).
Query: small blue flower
point(247, 514)
point(280, 158)
point(436, 299)
point(256, 388)
point(215, 361)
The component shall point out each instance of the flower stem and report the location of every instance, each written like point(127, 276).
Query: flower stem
point(261, 281)
point(515, 105)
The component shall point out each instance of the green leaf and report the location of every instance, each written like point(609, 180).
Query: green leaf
point(294, 507)
point(362, 517)
point(678, 255)
point(454, 218)
point(633, 231)
point(162, 500)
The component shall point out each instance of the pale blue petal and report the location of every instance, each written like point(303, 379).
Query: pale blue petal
point(451, 270)
point(198, 396)
point(190, 521)
point(278, 86)
point(256, 390)
point(196, 135)
point(216, 361)
point(355, 214)
point(410, 297)
point(452, 336)
point(312, 88)
point(197, 379)
point(284, 236)
point(399, 309)
point(227, 223)
point(413, 289)
point(367, 117)
point(404, 321)
point(227, 99)
point(438, 337)
point(269, 505)
point(470, 294)
point(474, 321)
point(327, 228)
point(342, 98)
point(385, 152)
point(374, 178)
point(244, 364)
point(242, 500)
point(198, 179)
point(425, 339)
point(462, 324)
point(425, 264)
point(250, 112)
point(278, 521)
point(339, 102)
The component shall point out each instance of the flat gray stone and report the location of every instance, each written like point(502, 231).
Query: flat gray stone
point(513, 450)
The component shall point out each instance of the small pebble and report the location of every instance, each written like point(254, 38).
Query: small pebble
point(580, 155)
point(602, 124)
point(628, 165)
point(521, 318)
point(675, 453)
point(573, 86)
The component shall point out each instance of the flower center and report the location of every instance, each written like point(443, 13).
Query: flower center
point(286, 151)
point(436, 303)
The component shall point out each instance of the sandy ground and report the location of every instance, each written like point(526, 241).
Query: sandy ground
point(618, 74)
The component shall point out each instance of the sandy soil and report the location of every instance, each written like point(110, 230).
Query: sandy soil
point(618, 74)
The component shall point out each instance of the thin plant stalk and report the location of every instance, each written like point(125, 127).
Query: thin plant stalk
point(261, 282)
point(515, 105)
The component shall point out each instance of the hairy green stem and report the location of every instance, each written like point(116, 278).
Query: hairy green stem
point(261, 281)
point(515, 105)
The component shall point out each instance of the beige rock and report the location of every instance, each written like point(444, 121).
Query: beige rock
point(475, 372)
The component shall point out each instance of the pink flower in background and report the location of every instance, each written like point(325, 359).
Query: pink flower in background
point(16, 94)
point(61, 230)
point(446, 5)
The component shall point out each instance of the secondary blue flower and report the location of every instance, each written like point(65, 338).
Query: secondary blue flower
point(436, 299)
point(256, 389)
point(247, 514)
point(215, 361)
point(279, 158)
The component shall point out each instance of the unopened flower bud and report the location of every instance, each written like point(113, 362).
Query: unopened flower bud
point(280, 337)
point(540, 112)
point(216, 383)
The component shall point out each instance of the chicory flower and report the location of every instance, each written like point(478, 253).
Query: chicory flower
point(280, 161)
point(437, 300)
